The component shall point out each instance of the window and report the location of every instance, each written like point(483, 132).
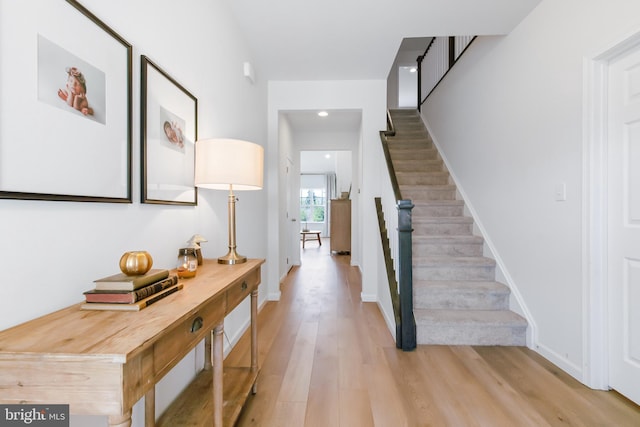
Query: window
point(313, 203)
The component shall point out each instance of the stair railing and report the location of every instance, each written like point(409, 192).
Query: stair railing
point(438, 58)
point(400, 248)
point(392, 279)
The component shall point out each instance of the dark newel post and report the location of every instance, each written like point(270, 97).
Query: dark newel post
point(419, 77)
point(405, 275)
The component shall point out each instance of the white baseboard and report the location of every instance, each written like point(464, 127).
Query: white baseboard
point(368, 297)
point(274, 296)
point(560, 361)
point(390, 321)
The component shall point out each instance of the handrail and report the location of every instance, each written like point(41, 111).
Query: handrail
point(391, 130)
point(405, 321)
point(452, 58)
point(392, 172)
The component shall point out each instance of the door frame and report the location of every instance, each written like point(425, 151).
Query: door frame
point(594, 207)
point(293, 208)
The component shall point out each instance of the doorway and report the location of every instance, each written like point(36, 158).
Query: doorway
point(307, 132)
point(407, 86)
point(623, 228)
point(324, 176)
point(612, 213)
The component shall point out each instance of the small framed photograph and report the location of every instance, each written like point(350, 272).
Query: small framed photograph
point(65, 110)
point(169, 117)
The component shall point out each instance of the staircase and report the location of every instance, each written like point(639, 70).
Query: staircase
point(456, 298)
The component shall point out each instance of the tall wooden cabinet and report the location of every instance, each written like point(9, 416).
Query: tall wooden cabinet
point(340, 229)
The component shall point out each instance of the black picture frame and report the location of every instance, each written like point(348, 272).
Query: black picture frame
point(56, 144)
point(169, 130)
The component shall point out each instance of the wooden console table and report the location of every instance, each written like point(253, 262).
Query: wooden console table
point(103, 362)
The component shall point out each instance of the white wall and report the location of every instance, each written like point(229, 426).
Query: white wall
point(370, 98)
point(50, 252)
point(317, 162)
point(508, 120)
point(395, 87)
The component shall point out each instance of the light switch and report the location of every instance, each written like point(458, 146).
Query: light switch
point(561, 192)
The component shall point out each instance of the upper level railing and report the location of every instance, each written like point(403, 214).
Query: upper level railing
point(438, 58)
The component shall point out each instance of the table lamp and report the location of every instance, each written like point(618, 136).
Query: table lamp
point(231, 164)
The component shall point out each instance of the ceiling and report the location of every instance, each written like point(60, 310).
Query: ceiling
point(294, 40)
point(358, 39)
point(336, 121)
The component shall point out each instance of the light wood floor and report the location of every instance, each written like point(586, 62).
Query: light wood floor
point(328, 359)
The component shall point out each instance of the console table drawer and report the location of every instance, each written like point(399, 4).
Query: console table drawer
point(241, 288)
point(174, 345)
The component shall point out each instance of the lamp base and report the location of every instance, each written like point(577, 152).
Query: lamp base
point(232, 257)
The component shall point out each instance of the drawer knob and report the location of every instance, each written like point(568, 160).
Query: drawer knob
point(197, 324)
point(244, 285)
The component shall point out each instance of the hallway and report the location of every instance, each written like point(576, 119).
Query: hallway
point(328, 359)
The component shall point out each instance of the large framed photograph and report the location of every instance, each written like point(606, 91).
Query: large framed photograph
point(169, 116)
point(65, 109)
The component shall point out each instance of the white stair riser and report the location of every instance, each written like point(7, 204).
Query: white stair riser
point(472, 335)
point(442, 229)
point(418, 165)
point(428, 194)
point(413, 154)
point(437, 211)
point(444, 272)
point(409, 129)
point(458, 300)
point(440, 178)
point(447, 249)
point(413, 142)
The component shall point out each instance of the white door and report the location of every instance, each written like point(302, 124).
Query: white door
point(293, 230)
point(623, 251)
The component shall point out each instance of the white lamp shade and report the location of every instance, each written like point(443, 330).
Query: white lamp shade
point(224, 162)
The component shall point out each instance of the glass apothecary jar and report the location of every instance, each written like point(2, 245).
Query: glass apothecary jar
point(187, 263)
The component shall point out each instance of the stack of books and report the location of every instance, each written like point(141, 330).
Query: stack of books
point(131, 293)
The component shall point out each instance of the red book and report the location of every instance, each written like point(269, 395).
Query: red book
point(136, 306)
point(129, 297)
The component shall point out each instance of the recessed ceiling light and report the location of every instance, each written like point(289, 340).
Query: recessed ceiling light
point(327, 156)
point(323, 114)
point(413, 70)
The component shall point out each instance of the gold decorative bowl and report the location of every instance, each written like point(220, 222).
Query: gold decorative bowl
point(135, 263)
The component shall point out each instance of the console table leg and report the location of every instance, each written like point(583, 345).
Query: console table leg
point(121, 420)
point(150, 408)
point(207, 352)
point(217, 357)
point(254, 337)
